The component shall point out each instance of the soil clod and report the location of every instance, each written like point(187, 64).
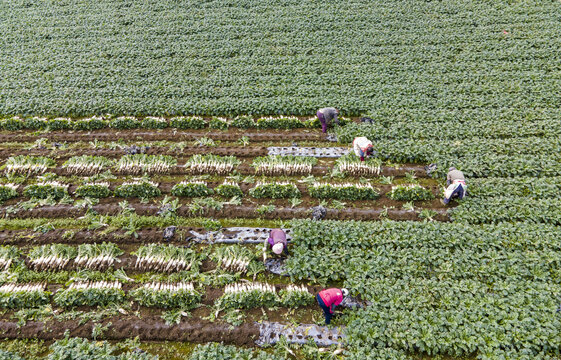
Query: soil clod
point(169, 232)
point(318, 212)
point(276, 266)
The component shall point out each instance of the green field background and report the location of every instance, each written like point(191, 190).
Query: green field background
point(228, 57)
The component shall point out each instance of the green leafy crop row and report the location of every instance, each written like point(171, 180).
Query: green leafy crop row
point(534, 156)
point(442, 288)
point(149, 122)
point(140, 189)
point(275, 191)
point(248, 69)
point(529, 187)
point(412, 192)
point(508, 209)
point(191, 189)
point(166, 298)
point(343, 191)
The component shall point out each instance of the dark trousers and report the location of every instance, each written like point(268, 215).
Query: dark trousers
point(458, 193)
point(321, 118)
point(328, 315)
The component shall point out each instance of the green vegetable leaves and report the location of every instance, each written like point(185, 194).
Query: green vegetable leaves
point(191, 189)
point(275, 190)
point(413, 192)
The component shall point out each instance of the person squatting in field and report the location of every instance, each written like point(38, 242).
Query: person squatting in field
point(328, 299)
point(362, 147)
point(325, 116)
point(277, 242)
point(456, 185)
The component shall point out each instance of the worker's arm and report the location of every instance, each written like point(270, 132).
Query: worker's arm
point(332, 308)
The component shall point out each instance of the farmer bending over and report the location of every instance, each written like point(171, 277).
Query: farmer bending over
point(277, 241)
point(456, 185)
point(325, 115)
point(363, 147)
point(328, 299)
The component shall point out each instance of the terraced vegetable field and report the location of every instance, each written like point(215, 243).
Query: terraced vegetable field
point(125, 237)
point(117, 239)
point(146, 148)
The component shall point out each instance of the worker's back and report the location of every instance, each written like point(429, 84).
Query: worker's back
point(278, 236)
point(455, 175)
point(329, 113)
point(331, 296)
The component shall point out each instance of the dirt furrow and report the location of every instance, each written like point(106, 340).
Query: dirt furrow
point(148, 328)
point(229, 211)
point(254, 135)
point(117, 153)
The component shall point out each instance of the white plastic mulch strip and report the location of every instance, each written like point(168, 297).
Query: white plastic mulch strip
point(271, 332)
point(327, 152)
point(238, 235)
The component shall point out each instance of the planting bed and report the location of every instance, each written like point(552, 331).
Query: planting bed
point(169, 134)
point(147, 231)
point(111, 195)
point(120, 261)
point(149, 328)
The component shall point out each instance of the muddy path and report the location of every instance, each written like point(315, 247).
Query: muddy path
point(253, 151)
point(230, 211)
point(254, 135)
point(147, 328)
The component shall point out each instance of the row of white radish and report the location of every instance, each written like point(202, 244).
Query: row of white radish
point(210, 166)
point(274, 169)
point(159, 263)
point(358, 168)
point(262, 287)
point(56, 262)
point(160, 286)
point(343, 186)
point(235, 264)
point(248, 287)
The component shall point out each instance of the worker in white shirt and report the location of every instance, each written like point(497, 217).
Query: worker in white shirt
point(362, 147)
point(456, 185)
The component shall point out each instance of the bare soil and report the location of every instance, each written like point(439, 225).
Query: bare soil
point(189, 150)
point(254, 135)
point(229, 211)
point(147, 328)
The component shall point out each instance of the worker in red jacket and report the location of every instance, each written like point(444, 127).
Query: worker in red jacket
point(328, 299)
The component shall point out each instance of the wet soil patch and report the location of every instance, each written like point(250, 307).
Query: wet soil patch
point(254, 135)
point(147, 328)
point(230, 211)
